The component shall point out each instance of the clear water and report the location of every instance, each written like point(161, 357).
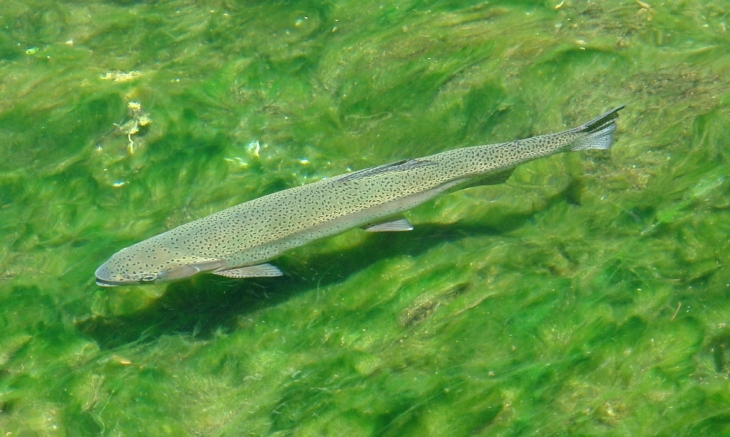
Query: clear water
point(587, 295)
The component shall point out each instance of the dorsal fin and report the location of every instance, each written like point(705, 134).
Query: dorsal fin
point(404, 165)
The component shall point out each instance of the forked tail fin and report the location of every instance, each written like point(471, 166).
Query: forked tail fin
point(598, 132)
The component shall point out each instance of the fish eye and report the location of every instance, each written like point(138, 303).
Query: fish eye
point(148, 278)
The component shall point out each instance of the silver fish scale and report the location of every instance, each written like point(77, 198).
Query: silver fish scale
point(256, 231)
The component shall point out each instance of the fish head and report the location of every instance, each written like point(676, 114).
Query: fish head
point(145, 263)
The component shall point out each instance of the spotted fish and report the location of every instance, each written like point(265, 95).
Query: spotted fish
point(238, 242)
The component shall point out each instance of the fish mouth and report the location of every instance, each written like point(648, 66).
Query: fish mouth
point(104, 283)
point(103, 272)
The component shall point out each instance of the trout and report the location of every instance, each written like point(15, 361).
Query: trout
point(239, 241)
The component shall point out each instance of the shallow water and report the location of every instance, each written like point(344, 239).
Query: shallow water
point(587, 295)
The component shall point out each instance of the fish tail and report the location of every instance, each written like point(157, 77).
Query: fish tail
point(598, 133)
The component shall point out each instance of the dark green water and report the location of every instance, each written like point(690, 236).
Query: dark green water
point(589, 295)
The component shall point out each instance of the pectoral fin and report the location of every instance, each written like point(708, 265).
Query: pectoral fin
point(187, 270)
point(399, 225)
point(257, 271)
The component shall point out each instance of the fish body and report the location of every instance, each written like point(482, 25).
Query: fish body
point(237, 242)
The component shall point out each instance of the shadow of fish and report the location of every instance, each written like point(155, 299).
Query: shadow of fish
point(237, 242)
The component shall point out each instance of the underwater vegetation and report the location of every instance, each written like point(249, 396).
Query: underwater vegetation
point(589, 294)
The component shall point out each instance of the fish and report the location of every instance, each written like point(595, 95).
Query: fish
point(239, 242)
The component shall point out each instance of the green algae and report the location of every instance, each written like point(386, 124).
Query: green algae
point(587, 295)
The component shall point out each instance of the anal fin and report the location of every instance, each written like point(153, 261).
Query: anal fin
point(257, 271)
point(399, 225)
